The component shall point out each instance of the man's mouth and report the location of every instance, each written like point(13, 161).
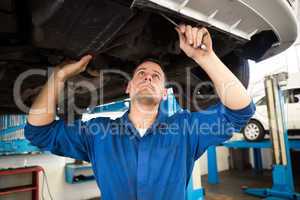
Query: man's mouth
point(146, 86)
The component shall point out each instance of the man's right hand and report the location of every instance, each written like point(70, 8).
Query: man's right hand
point(69, 69)
point(44, 107)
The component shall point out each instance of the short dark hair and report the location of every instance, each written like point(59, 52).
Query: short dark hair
point(151, 59)
point(155, 60)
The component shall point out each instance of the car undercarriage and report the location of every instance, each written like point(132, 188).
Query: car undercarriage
point(40, 34)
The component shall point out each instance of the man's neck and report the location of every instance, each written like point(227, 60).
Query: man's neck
point(143, 116)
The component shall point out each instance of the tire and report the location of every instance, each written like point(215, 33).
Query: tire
point(253, 131)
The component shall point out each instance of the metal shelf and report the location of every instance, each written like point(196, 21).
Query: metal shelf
point(34, 187)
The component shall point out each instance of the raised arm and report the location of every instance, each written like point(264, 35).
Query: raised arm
point(216, 124)
point(42, 111)
point(230, 90)
point(43, 131)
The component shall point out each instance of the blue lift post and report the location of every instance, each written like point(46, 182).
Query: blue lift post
point(257, 161)
point(213, 177)
point(212, 167)
point(283, 184)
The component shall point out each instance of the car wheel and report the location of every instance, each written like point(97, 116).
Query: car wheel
point(253, 131)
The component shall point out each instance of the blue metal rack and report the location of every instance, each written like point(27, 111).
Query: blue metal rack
point(117, 106)
point(294, 144)
point(74, 173)
point(11, 129)
point(12, 139)
point(16, 147)
point(278, 179)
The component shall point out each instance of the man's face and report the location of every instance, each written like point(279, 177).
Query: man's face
point(147, 84)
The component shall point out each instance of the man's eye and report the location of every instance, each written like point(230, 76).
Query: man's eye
point(156, 76)
point(141, 73)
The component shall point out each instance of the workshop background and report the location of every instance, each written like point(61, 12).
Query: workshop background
point(55, 166)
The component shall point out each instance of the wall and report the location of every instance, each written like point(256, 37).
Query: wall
point(222, 160)
point(54, 167)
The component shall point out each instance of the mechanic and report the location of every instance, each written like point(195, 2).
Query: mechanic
point(145, 154)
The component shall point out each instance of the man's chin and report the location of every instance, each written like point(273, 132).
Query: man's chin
point(147, 99)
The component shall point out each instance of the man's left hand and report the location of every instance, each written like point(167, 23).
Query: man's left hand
point(192, 38)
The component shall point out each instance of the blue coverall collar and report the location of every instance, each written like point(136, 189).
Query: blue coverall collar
point(158, 123)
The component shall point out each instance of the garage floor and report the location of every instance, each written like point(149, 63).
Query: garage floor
point(232, 181)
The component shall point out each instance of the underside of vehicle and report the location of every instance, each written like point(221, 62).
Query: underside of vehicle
point(39, 34)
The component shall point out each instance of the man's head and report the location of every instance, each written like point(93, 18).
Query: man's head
point(147, 85)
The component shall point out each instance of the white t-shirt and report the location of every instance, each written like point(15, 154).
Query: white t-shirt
point(142, 131)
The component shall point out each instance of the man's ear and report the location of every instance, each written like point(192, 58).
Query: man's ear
point(165, 93)
point(128, 87)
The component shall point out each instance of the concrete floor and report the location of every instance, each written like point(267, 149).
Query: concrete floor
point(231, 183)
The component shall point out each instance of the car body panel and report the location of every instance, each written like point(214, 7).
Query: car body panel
point(243, 18)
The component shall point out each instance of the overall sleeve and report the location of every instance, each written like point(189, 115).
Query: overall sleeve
point(215, 125)
point(70, 140)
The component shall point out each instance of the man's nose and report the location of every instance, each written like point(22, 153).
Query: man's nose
point(148, 77)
